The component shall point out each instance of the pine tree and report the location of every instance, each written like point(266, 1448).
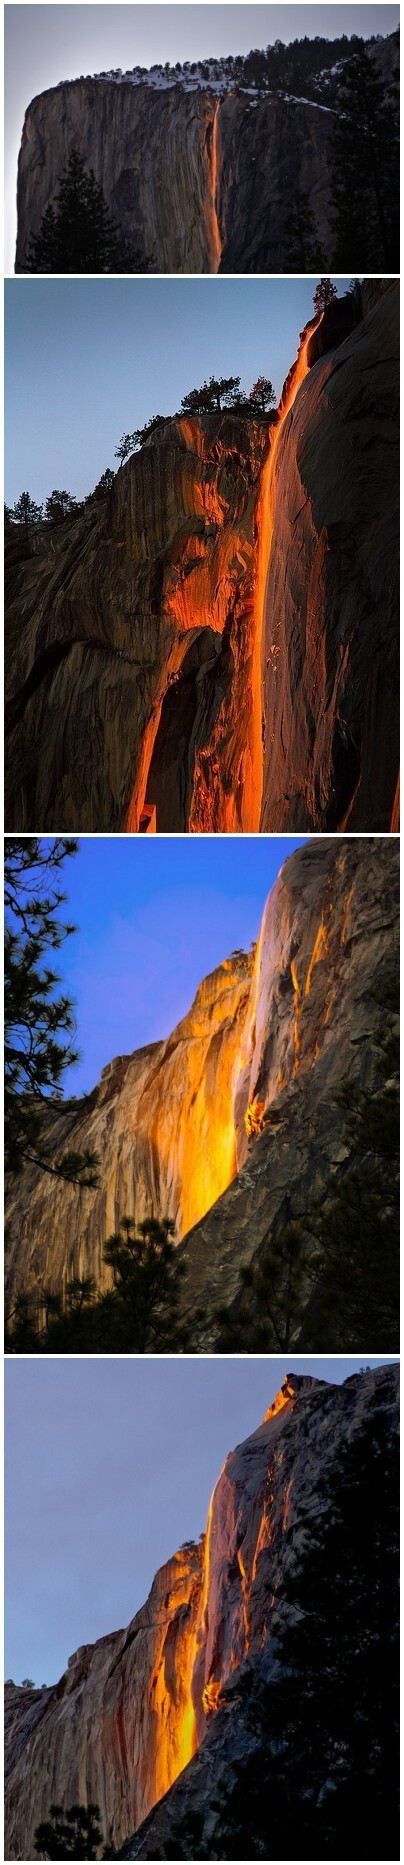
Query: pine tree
point(364, 176)
point(325, 294)
point(38, 1022)
point(262, 395)
point(58, 505)
point(26, 512)
point(219, 392)
point(77, 233)
point(139, 1314)
point(301, 245)
point(71, 1834)
point(104, 484)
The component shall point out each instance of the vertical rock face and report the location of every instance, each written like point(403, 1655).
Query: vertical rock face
point(152, 152)
point(329, 646)
point(164, 1133)
point(119, 1726)
point(130, 1711)
point(328, 943)
point(218, 640)
point(137, 640)
point(229, 1125)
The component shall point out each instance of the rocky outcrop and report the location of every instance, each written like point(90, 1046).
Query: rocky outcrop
point(233, 1120)
point(165, 1699)
point(215, 646)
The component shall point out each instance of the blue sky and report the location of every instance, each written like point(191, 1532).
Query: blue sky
point(154, 916)
point(44, 44)
point(110, 1465)
point(89, 360)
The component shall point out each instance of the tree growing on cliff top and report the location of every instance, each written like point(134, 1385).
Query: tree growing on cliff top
point(364, 173)
point(77, 233)
point(38, 1020)
point(262, 395)
point(26, 512)
point(58, 506)
point(214, 395)
point(130, 443)
point(325, 294)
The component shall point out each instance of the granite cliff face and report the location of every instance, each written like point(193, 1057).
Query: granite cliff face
point(190, 194)
point(133, 667)
point(230, 1125)
point(134, 1711)
point(329, 636)
point(163, 1129)
point(199, 165)
point(215, 646)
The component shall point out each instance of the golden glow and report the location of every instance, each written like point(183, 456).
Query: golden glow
point(265, 533)
point(210, 1698)
point(216, 240)
point(320, 950)
point(346, 914)
point(254, 1117)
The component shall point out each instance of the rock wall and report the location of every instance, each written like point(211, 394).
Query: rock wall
point(329, 637)
point(152, 153)
point(328, 941)
point(130, 640)
point(163, 1129)
point(218, 640)
point(128, 1709)
point(118, 1727)
point(229, 1125)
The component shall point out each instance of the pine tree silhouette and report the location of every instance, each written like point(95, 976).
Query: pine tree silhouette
point(77, 233)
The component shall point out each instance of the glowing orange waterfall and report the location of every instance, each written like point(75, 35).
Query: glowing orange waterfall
point(216, 240)
point(265, 533)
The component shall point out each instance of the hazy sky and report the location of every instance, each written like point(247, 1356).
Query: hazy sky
point(154, 916)
point(44, 44)
point(110, 1465)
point(89, 360)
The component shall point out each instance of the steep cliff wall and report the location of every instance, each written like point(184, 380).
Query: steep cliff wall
point(229, 1125)
point(218, 639)
point(329, 638)
point(119, 1726)
point(199, 167)
point(185, 206)
point(164, 1133)
point(136, 642)
point(328, 940)
point(129, 1712)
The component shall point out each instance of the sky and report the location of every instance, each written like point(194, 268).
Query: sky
point(44, 44)
point(154, 914)
point(88, 360)
point(109, 1467)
